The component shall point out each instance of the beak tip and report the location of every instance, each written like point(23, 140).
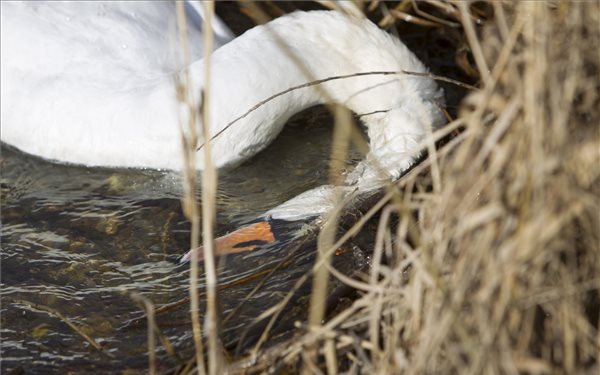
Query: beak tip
point(183, 259)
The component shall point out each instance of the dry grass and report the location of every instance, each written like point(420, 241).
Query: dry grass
point(189, 124)
point(488, 261)
point(487, 256)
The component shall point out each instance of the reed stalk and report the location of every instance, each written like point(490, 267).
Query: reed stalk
point(189, 137)
point(209, 194)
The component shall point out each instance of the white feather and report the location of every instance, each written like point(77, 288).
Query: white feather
point(94, 85)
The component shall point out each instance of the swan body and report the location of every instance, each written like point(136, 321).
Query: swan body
point(89, 82)
point(78, 96)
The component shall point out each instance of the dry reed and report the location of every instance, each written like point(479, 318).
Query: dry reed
point(209, 207)
point(487, 255)
point(488, 260)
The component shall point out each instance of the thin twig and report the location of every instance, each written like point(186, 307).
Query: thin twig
point(482, 66)
point(434, 18)
point(67, 321)
point(414, 19)
point(443, 79)
point(333, 78)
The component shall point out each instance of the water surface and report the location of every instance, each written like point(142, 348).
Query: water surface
point(76, 242)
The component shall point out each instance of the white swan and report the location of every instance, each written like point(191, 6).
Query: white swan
point(99, 91)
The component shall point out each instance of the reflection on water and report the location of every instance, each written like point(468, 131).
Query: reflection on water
point(77, 241)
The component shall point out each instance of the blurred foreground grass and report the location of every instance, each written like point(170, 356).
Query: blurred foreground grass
point(488, 260)
point(492, 264)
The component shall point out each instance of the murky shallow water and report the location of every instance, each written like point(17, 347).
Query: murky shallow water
point(78, 241)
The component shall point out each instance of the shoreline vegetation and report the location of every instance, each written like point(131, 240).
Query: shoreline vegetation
point(486, 256)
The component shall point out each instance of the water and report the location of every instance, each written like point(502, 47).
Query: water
point(79, 241)
point(76, 242)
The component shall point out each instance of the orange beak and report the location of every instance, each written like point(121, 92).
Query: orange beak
point(244, 239)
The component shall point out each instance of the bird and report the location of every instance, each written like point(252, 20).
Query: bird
point(94, 85)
